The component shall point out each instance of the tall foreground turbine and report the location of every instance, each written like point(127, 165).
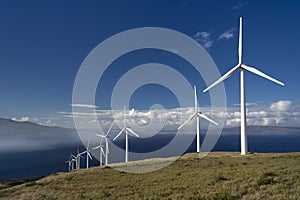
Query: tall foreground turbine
point(198, 115)
point(242, 67)
point(126, 129)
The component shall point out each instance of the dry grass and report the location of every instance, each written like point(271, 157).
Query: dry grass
point(217, 176)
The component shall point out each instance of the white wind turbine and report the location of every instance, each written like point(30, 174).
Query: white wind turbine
point(242, 67)
point(69, 162)
point(198, 115)
point(126, 130)
point(88, 155)
point(106, 136)
point(77, 158)
point(100, 147)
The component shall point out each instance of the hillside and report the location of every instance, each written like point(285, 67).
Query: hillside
point(217, 176)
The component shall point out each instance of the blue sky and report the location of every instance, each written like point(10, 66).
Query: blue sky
point(42, 45)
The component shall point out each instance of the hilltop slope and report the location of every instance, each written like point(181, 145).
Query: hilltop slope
point(217, 176)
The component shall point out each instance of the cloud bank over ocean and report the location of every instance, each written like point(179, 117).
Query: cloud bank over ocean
point(280, 113)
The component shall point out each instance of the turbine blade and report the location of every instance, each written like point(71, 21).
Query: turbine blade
point(119, 134)
point(255, 71)
point(240, 40)
point(88, 145)
point(103, 136)
point(190, 118)
point(106, 145)
point(97, 147)
point(225, 76)
point(207, 118)
point(196, 100)
point(109, 129)
point(131, 131)
point(124, 117)
point(102, 152)
point(89, 155)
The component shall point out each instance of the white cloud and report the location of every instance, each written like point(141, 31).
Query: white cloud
point(281, 106)
point(132, 112)
point(49, 123)
point(227, 34)
point(238, 6)
point(248, 104)
point(21, 119)
point(81, 114)
point(41, 121)
point(204, 39)
point(83, 105)
point(202, 35)
point(280, 113)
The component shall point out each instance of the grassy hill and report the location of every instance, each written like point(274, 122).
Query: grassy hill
point(217, 176)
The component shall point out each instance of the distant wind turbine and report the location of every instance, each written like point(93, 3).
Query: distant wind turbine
point(69, 162)
point(198, 115)
point(242, 67)
point(77, 158)
point(88, 154)
point(74, 161)
point(100, 147)
point(125, 130)
point(106, 136)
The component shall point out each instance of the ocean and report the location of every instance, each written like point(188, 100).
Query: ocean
point(32, 164)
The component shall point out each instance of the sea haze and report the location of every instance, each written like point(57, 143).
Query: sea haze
point(31, 150)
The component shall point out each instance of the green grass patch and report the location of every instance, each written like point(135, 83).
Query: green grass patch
point(266, 178)
point(225, 195)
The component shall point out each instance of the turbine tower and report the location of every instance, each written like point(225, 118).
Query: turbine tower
point(198, 115)
point(88, 155)
point(242, 67)
point(106, 144)
point(126, 130)
point(77, 158)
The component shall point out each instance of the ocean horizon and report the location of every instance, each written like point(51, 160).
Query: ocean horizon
point(38, 163)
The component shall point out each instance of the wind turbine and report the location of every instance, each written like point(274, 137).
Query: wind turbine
point(74, 161)
point(242, 67)
point(70, 161)
point(106, 145)
point(77, 158)
point(198, 115)
point(87, 151)
point(125, 130)
point(101, 151)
